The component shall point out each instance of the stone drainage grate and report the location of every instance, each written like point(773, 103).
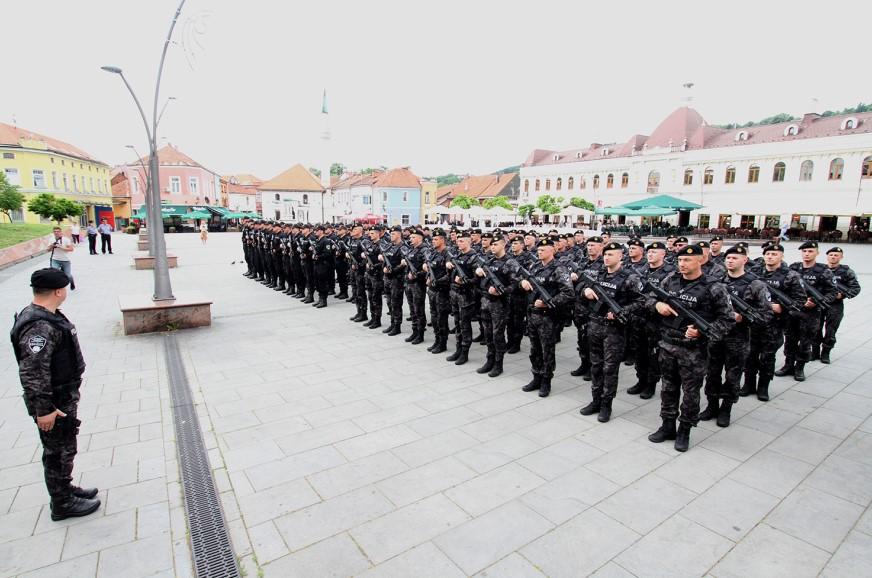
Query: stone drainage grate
point(210, 542)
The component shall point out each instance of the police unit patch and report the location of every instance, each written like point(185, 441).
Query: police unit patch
point(36, 343)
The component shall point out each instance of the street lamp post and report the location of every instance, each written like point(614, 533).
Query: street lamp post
point(146, 193)
point(162, 287)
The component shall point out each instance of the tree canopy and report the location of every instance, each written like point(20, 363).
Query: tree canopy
point(497, 202)
point(526, 210)
point(549, 204)
point(784, 117)
point(464, 202)
point(581, 203)
point(449, 179)
point(10, 198)
point(55, 208)
point(336, 170)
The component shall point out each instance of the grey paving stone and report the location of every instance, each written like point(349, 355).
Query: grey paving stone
point(768, 418)
point(133, 495)
point(771, 472)
point(512, 566)
point(644, 504)
point(394, 533)
point(294, 467)
point(569, 495)
point(337, 557)
point(612, 570)
point(559, 554)
point(152, 520)
point(729, 508)
point(372, 443)
point(629, 462)
point(697, 470)
point(143, 557)
point(424, 561)
point(443, 421)
point(318, 437)
point(815, 517)
point(806, 445)
point(493, 488)
point(412, 485)
point(830, 422)
point(434, 447)
point(610, 436)
point(356, 474)
point(853, 558)
point(496, 426)
point(482, 541)
point(101, 533)
point(18, 524)
point(768, 553)
point(555, 460)
point(496, 452)
point(737, 442)
point(844, 478)
point(857, 447)
point(82, 566)
point(276, 501)
point(266, 542)
point(554, 429)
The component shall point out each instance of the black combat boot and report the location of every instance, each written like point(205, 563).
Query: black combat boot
point(456, 355)
point(534, 385)
point(279, 287)
point(497, 369)
point(799, 371)
point(815, 352)
point(441, 346)
point(682, 437)
point(73, 507)
point(545, 390)
point(322, 302)
point(666, 432)
point(649, 390)
point(87, 493)
point(787, 369)
point(413, 335)
point(763, 389)
point(343, 294)
point(478, 338)
point(637, 389)
point(630, 360)
point(310, 298)
point(711, 410)
point(488, 364)
point(395, 331)
point(375, 323)
point(605, 412)
point(724, 413)
point(464, 356)
point(593, 407)
point(514, 348)
point(578, 371)
point(825, 355)
point(419, 337)
point(750, 385)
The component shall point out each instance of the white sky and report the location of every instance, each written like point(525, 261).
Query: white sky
point(444, 86)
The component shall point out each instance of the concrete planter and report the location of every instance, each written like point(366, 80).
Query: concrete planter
point(24, 251)
point(145, 261)
point(140, 314)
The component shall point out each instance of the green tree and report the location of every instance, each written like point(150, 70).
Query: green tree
point(336, 169)
point(316, 172)
point(497, 202)
point(464, 202)
point(449, 179)
point(581, 203)
point(526, 211)
point(55, 208)
point(549, 204)
point(10, 198)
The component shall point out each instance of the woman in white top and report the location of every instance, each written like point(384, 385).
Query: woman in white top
point(204, 232)
point(61, 248)
point(75, 231)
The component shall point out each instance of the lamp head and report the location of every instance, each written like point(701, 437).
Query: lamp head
point(112, 69)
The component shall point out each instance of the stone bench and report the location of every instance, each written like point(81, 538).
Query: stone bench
point(141, 314)
point(145, 261)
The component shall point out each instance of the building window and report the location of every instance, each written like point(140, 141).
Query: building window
point(610, 181)
point(91, 183)
point(753, 174)
point(526, 185)
point(702, 221)
point(8, 155)
point(367, 200)
point(175, 184)
point(730, 176)
point(135, 182)
point(17, 215)
point(625, 180)
point(806, 171)
point(405, 196)
point(653, 182)
point(12, 176)
point(194, 185)
point(570, 183)
point(688, 177)
point(837, 165)
point(596, 181)
point(278, 215)
point(746, 222)
point(38, 179)
point(305, 199)
point(384, 196)
point(772, 222)
point(66, 184)
point(725, 221)
point(405, 219)
point(792, 130)
point(559, 183)
point(547, 184)
point(778, 173)
point(75, 184)
point(536, 185)
point(867, 168)
point(54, 180)
point(105, 186)
point(708, 176)
point(427, 198)
point(582, 183)
point(850, 123)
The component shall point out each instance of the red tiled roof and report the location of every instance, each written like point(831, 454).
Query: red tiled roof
point(399, 178)
point(12, 136)
point(676, 127)
point(477, 187)
point(244, 179)
point(296, 178)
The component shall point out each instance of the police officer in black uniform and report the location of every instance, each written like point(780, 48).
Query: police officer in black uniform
point(305, 244)
point(495, 303)
point(394, 275)
point(413, 260)
point(341, 261)
point(847, 287)
point(517, 323)
point(323, 253)
point(358, 271)
point(589, 266)
point(463, 296)
point(375, 283)
point(438, 288)
point(50, 366)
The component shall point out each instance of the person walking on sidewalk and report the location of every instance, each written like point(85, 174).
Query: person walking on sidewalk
point(50, 367)
point(60, 255)
point(92, 238)
point(105, 230)
point(75, 231)
point(204, 232)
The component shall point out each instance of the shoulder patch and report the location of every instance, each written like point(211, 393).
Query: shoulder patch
point(36, 343)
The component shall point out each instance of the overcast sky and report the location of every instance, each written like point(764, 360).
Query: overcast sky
point(446, 86)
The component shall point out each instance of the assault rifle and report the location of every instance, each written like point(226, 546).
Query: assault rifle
point(843, 289)
point(780, 296)
point(695, 318)
point(369, 261)
point(410, 265)
point(543, 293)
point(431, 275)
point(816, 296)
point(607, 300)
point(458, 270)
point(746, 310)
point(491, 276)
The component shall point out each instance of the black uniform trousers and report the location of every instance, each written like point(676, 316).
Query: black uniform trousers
point(830, 322)
point(727, 359)
point(309, 274)
point(297, 277)
point(495, 318)
point(516, 324)
point(418, 292)
point(543, 329)
point(394, 288)
point(375, 286)
point(683, 366)
point(440, 308)
point(764, 344)
point(801, 333)
point(606, 341)
point(647, 338)
point(358, 277)
point(323, 278)
point(463, 309)
point(58, 453)
point(342, 275)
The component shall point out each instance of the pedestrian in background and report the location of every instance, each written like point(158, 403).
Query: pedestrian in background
point(75, 231)
point(61, 248)
point(92, 238)
point(105, 230)
point(204, 232)
point(50, 367)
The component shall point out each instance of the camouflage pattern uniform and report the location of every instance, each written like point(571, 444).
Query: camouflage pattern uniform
point(831, 319)
point(805, 326)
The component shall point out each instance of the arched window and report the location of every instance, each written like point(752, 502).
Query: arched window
point(625, 180)
point(207, 200)
point(730, 176)
point(850, 123)
point(753, 173)
point(547, 184)
point(277, 197)
point(306, 199)
point(526, 185)
point(791, 130)
point(837, 165)
point(610, 181)
point(778, 173)
point(867, 168)
point(688, 176)
point(570, 183)
point(653, 181)
point(596, 181)
point(806, 170)
point(708, 177)
point(741, 135)
point(559, 183)
point(537, 185)
point(582, 183)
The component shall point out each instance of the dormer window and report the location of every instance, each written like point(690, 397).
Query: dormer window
point(556, 158)
point(850, 123)
point(791, 130)
point(578, 155)
point(605, 151)
point(742, 135)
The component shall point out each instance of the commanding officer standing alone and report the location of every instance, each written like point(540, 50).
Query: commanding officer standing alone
point(50, 366)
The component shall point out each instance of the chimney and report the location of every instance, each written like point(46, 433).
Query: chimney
point(809, 118)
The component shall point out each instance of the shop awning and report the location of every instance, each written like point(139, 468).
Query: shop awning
point(662, 202)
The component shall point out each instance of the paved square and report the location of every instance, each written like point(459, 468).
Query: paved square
point(338, 451)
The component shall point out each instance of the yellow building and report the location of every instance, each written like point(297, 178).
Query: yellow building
point(41, 164)
point(428, 201)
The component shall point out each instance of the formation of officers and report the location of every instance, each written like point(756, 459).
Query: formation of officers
point(695, 317)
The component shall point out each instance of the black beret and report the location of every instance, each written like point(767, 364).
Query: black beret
point(545, 242)
point(417, 232)
point(476, 231)
point(717, 238)
point(681, 239)
point(377, 228)
point(464, 233)
point(487, 236)
point(595, 239)
point(579, 232)
point(499, 237)
point(396, 228)
point(690, 250)
point(49, 279)
point(320, 228)
point(635, 243)
point(834, 250)
point(307, 225)
point(670, 237)
point(439, 232)
point(742, 244)
point(613, 247)
point(809, 245)
point(518, 239)
point(773, 247)
point(703, 244)
point(657, 245)
point(736, 250)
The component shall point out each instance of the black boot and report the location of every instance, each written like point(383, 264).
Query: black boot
point(464, 356)
point(630, 360)
point(750, 385)
point(478, 338)
point(682, 437)
point(578, 371)
point(309, 298)
point(419, 337)
point(534, 385)
point(456, 355)
point(73, 507)
point(825, 355)
point(724, 413)
point(87, 493)
point(375, 323)
point(322, 302)
point(605, 412)
point(545, 389)
point(649, 390)
point(514, 348)
point(763, 389)
point(815, 352)
point(342, 295)
point(585, 370)
point(488, 364)
point(666, 432)
point(441, 346)
point(787, 369)
point(637, 389)
point(395, 330)
point(412, 336)
point(799, 371)
point(593, 407)
point(497, 369)
point(711, 411)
